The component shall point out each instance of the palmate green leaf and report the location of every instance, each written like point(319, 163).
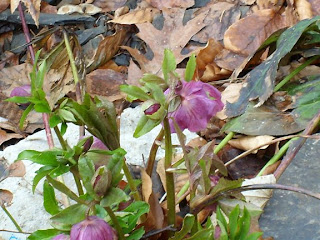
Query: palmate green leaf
point(169, 64)
point(113, 197)
point(191, 67)
point(224, 185)
point(47, 234)
point(68, 217)
point(54, 121)
point(188, 222)
point(152, 78)
point(157, 93)
point(18, 99)
point(66, 115)
point(145, 125)
point(260, 81)
point(49, 199)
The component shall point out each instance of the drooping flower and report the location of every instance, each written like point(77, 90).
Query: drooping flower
point(61, 237)
point(92, 228)
point(22, 91)
point(198, 103)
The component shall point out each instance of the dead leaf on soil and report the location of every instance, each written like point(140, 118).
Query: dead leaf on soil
point(315, 7)
point(221, 15)
point(5, 197)
point(105, 82)
point(304, 9)
point(137, 16)
point(4, 4)
point(4, 136)
point(47, 8)
point(163, 4)
point(134, 74)
point(33, 7)
point(83, 8)
point(246, 35)
point(107, 48)
point(146, 185)
point(249, 142)
point(108, 5)
point(174, 35)
point(17, 169)
point(231, 95)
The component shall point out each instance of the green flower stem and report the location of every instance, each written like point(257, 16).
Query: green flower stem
point(64, 189)
point(169, 176)
point(75, 174)
point(224, 142)
point(115, 223)
point(11, 218)
point(277, 156)
point(63, 143)
point(295, 72)
point(153, 153)
point(129, 178)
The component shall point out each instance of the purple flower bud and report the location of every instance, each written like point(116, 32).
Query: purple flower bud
point(23, 91)
point(98, 144)
point(199, 103)
point(92, 228)
point(61, 237)
point(152, 109)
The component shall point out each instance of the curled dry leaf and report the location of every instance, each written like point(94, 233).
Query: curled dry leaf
point(4, 136)
point(262, 196)
point(146, 185)
point(163, 4)
point(5, 197)
point(257, 28)
point(137, 16)
point(83, 8)
point(304, 9)
point(231, 95)
point(33, 7)
point(249, 142)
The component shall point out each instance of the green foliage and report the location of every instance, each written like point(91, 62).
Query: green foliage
point(191, 67)
point(47, 234)
point(169, 64)
point(49, 199)
point(238, 227)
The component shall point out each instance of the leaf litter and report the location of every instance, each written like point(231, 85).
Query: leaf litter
point(248, 37)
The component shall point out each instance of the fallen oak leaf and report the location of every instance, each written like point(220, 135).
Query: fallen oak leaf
point(174, 36)
point(137, 16)
point(163, 4)
point(33, 7)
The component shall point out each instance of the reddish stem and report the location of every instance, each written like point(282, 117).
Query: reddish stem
point(26, 32)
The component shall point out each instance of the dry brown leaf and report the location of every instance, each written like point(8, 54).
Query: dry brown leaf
point(137, 16)
point(47, 8)
point(304, 9)
point(248, 2)
point(230, 94)
point(146, 185)
point(107, 5)
point(246, 35)
point(33, 7)
point(134, 74)
point(174, 36)
point(4, 4)
point(17, 169)
point(107, 48)
point(5, 197)
point(229, 60)
point(69, 9)
point(105, 82)
point(249, 142)
point(207, 70)
point(221, 15)
point(163, 4)
point(4, 136)
point(315, 7)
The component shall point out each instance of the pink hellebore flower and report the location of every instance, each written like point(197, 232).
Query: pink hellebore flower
point(23, 91)
point(199, 103)
point(92, 228)
point(61, 237)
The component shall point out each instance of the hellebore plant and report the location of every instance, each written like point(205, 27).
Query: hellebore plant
point(190, 104)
